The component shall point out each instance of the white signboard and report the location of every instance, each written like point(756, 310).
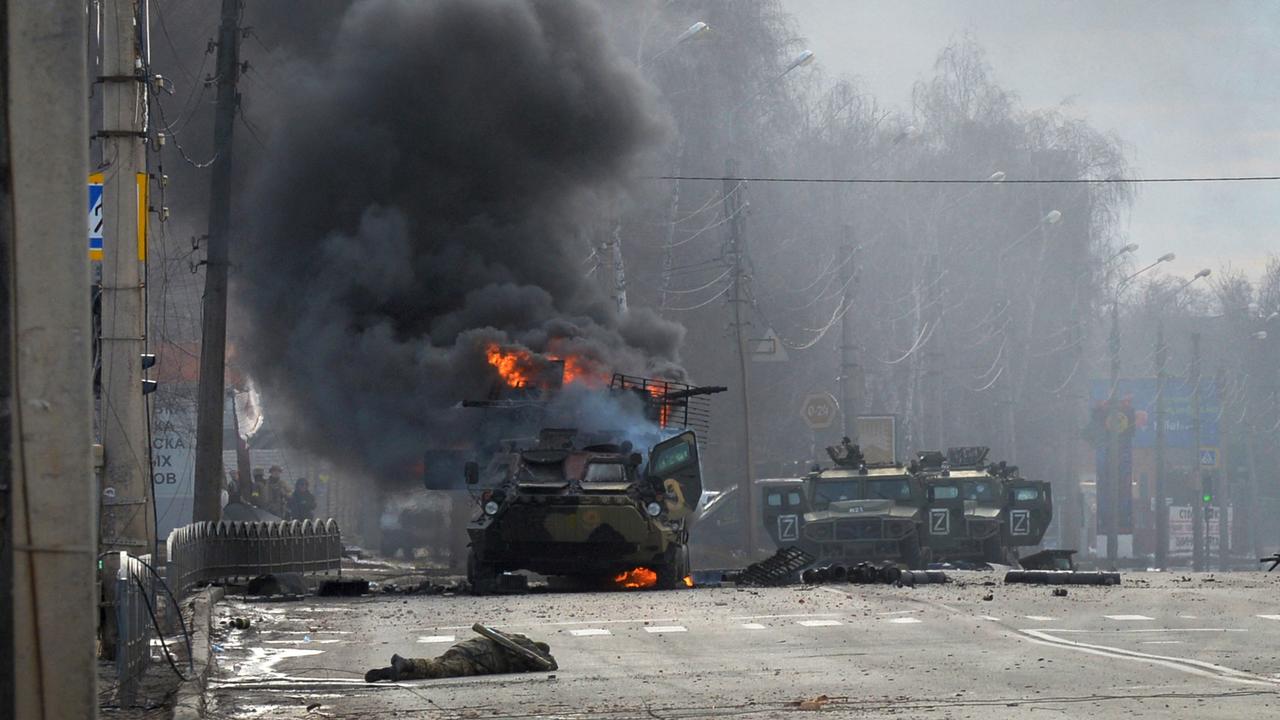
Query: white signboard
point(172, 460)
point(1182, 530)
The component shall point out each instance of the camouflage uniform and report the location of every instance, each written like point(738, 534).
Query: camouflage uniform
point(477, 656)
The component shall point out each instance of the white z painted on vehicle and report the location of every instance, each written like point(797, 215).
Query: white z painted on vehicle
point(788, 528)
point(1020, 522)
point(940, 522)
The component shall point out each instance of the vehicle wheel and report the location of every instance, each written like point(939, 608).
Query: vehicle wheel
point(482, 578)
point(993, 551)
point(672, 574)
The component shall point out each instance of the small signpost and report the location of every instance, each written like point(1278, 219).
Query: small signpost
point(819, 411)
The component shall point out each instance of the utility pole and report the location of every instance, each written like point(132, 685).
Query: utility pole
point(126, 470)
point(733, 204)
point(1197, 503)
point(850, 373)
point(1222, 489)
point(213, 333)
point(1162, 508)
point(46, 395)
point(1113, 441)
point(933, 353)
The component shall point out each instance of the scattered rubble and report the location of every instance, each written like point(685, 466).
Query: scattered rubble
point(346, 587)
point(1060, 592)
point(781, 568)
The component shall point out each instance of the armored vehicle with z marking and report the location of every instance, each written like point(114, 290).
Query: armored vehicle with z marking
point(851, 512)
point(585, 503)
point(980, 512)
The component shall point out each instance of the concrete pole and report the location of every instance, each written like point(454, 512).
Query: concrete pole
point(54, 495)
point(850, 373)
point(1197, 505)
point(126, 517)
point(733, 202)
point(1112, 499)
point(213, 332)
point(1222, 493)
point(1162, 506)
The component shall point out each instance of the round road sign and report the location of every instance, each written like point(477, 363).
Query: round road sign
point(819, 411)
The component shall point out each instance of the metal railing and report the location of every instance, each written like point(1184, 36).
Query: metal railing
point(134, 605)
point(207, 551)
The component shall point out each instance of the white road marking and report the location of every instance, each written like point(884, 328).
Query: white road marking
point(1193, 667)
point(1153, 630)
point(897, 612)
point(1127, 617)
point(1270, 617)
point(543, 623)
point(1038, 618)
point(665, 629)
point(752, 626)
point(1189, 617)
point(774, 617)
point(435, 638)
point(587, 632)
point(819, 623)
point(904, 620)
point(301, 642)
point(1160, 642)
point(988, 617)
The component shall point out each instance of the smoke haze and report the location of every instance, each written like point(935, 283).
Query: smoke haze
point(425, 192)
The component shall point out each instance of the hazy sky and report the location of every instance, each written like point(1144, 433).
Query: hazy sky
point(1190, 88)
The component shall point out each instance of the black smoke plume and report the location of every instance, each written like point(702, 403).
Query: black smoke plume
point(427, 190)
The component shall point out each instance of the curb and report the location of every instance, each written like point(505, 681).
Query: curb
point(188, 703)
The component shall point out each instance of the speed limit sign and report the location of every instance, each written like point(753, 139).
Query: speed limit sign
point(819, 411)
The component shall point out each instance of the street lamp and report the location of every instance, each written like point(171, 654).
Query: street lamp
point(1053, 217)
point(1113, 450)
point(697, 29)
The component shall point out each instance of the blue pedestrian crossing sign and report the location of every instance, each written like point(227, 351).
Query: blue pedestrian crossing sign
point(95, 217)
point(1208, 457)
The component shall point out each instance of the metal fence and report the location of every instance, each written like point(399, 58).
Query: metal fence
point(201, 553)
point(207, 551)
point(134, 603)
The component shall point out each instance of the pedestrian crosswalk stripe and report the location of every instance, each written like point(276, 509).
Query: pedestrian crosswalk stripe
point(752, 626)
point(435, 638)
point(819, 623)
point(988, 617)
point(586, 632)
point(1038, 618)
point(1127, 617)
point(1270, 617)
point(904, 620)
point(666, 629)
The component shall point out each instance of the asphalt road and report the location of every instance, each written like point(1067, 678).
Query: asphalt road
point(1158, 646)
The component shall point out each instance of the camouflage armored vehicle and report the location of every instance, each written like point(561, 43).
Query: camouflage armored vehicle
point(584, 503)
point(851, 512)
point(979, 512)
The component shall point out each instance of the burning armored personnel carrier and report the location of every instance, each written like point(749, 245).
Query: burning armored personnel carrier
point(588, 503)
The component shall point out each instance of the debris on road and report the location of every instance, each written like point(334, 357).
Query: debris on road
point(1273, 559)
point(781, 568)
point(911, 578)
point(289, 584)
point(350, 587)
point(1049, 560)
point(238, 623)
point(814, 703)
point(1060, 592)
point(1061, 577)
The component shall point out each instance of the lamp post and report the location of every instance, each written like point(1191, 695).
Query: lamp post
point(1162, 358)
point(734, 203)
point(1113, 437)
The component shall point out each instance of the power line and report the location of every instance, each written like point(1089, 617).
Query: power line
point(963, 181)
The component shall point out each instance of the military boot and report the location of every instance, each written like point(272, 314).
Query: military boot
point(390, 674)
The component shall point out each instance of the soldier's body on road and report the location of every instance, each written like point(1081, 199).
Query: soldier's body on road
point(477, 656)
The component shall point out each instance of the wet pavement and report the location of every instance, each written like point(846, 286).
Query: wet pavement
point(1158, 646)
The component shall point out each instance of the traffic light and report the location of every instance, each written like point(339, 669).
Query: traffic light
point(1206, 487)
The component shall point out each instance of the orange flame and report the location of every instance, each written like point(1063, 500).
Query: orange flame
point(688, 581)
point(641, 577)
point(664, 410)
point(514, 366)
